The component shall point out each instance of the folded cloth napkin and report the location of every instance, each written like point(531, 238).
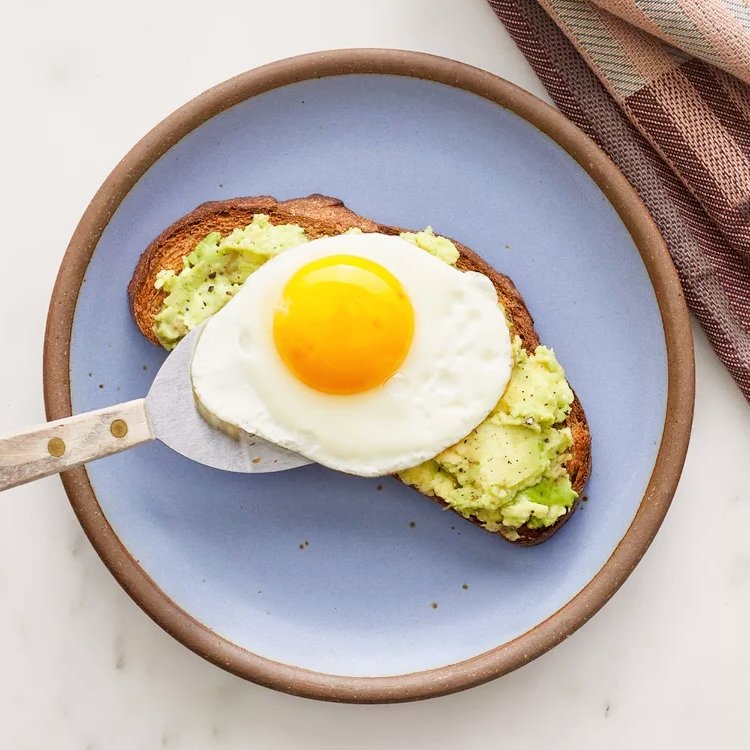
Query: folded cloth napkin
point(662, 87)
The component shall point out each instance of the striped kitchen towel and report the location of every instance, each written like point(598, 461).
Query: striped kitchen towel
point(663, 86)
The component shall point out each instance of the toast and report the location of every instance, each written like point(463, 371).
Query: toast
point(322, 216)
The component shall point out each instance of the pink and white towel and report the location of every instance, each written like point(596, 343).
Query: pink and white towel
point(663, 86)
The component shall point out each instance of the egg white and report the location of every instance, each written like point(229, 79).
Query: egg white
point(457, 368)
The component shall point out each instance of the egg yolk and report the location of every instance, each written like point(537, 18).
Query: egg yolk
point(344, 324)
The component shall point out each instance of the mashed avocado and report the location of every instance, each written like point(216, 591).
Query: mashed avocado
point(438, 246)
point(215, 271)
point(508, 472)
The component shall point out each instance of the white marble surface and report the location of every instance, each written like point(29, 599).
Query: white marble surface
point(663, 665)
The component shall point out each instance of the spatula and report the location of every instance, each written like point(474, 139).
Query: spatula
point(168, 413)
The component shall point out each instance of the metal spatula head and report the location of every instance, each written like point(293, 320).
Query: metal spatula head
point(175, 421)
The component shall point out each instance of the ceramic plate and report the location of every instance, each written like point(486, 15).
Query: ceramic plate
point(344, 588)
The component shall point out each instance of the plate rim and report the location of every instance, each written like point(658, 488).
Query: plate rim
point(680, 372)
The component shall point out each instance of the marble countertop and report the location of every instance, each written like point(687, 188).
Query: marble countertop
point(82, 666)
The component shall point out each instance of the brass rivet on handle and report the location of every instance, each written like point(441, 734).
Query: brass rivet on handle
point(56, 447)
point(119, 428)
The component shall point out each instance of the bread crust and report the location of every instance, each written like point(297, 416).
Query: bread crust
point(321, 215)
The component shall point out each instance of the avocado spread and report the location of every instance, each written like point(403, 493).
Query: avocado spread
point(510, 470)
point(214, 272)
point(507, 472)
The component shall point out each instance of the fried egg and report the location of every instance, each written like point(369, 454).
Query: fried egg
point(362, 352)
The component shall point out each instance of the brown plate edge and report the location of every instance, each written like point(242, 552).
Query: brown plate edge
point(669, 461)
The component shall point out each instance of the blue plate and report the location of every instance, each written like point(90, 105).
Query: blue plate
point(365, 578)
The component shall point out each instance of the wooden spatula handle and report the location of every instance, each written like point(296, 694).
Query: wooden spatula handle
point(66, 443)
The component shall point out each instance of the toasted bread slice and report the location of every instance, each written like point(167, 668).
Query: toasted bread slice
point(320, 216)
